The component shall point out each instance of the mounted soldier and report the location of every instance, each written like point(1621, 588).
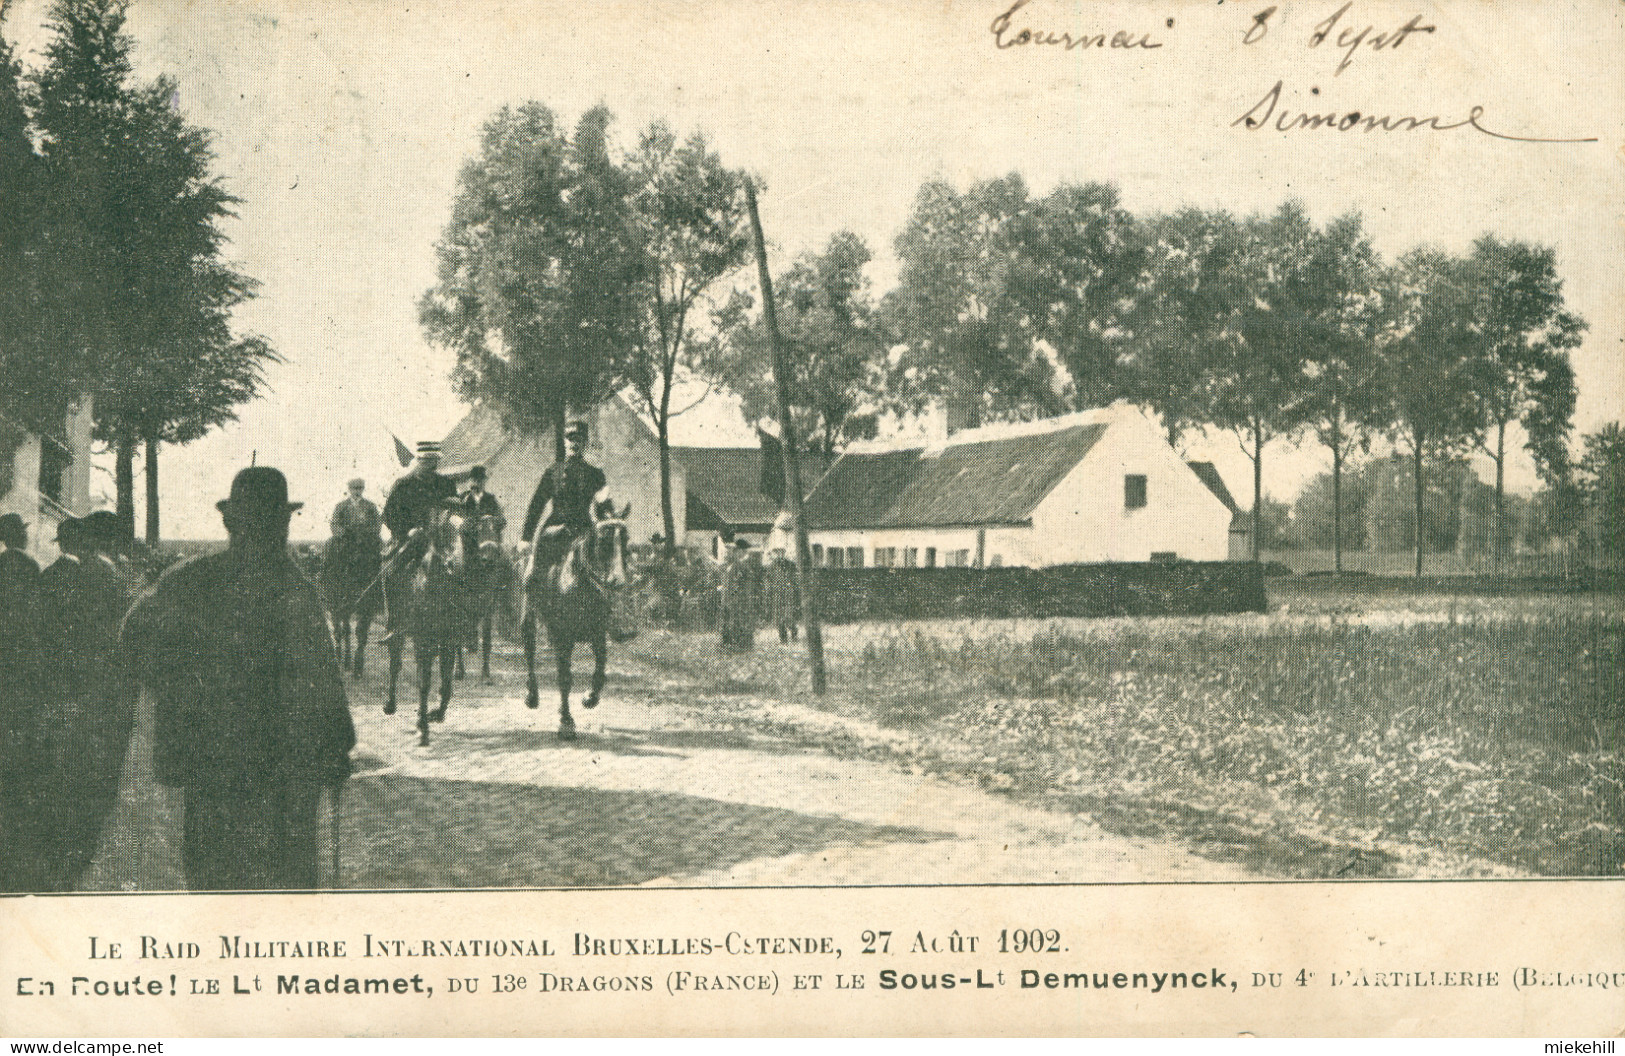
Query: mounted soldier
point(407, 512)
point(350, 565)
point(479, 503)
point(569, 500)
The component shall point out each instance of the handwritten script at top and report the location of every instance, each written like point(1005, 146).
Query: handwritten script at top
point(1349, 39)
point(1342, 32)
point(1006, 35)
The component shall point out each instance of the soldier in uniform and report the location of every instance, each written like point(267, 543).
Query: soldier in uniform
point(568, 501)
point(252, 722)
point(411, 503)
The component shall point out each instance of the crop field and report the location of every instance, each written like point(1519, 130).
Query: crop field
point(1345, 733)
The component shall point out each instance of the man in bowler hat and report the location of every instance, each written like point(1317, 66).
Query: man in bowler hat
point(252, 722)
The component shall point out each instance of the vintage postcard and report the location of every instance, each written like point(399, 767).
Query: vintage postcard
point(722, 518)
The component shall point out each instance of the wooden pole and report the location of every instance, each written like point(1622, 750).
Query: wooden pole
point(789, 446)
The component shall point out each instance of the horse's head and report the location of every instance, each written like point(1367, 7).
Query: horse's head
point(445, 530)
point(610, 546)
point(488, 537)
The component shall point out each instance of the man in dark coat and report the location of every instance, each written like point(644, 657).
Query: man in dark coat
point(568, 501)
point(783, 596)
point(252, 722)
point(407, 512)
point(741, 597)
point(19, 710)
point(88, 712)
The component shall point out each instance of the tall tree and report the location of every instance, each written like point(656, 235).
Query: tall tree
point(136, 220)
point(1520, 339)
point(689, 215)
point(1341, 367)
point(832, 342)
point(968, 340)
point(1242, 302)
point(538, 269)
point(1428, 384)
point(1601, 480)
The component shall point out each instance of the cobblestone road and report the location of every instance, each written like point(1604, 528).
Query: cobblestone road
point(661, 787)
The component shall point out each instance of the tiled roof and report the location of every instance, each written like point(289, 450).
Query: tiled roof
point(860, 488)
point(988, 481)
point(728, 481)
point(1209, 475)
point(475, 440)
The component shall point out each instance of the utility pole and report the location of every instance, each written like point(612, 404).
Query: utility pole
point(792, 463)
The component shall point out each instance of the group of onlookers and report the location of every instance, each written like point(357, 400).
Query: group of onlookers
point(66, 704)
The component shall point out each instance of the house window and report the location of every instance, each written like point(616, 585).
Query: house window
point(1134, 491)
point(837, 557)
point(996, 561)
point(957, 558)
point(53, 471)
point(1166, 557)
point(885, 556)
point(854, 556)
point(818, 553)
point(930, 557)
point(911, 556)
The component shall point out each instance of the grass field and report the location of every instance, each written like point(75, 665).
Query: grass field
point(1345, 733)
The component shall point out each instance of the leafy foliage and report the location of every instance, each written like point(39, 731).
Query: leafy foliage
point(835, 347)
point(538, 268)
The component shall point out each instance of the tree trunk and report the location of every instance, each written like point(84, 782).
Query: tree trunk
point(151, 473)
point(1258, 488)
point(1416, 453)
point(558, 431)
point(1497, 542)
point(124, 482)
point(1337, 495)
point(668, 520)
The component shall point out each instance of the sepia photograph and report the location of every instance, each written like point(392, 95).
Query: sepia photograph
point(781, 445)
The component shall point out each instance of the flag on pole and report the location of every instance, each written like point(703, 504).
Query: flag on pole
point(402, 452)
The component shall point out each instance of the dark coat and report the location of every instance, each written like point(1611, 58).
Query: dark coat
point(22, 776)
point(88, 707)
point(413, 498)
point(571, 486)
point(247, 690)
point(783, 592)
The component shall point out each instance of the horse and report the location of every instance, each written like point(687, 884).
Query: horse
point(488, 575)
point(572, 598)
point(430, 601)
point(351, 590)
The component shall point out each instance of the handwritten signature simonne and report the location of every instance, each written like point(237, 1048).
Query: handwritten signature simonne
point(1257, 118)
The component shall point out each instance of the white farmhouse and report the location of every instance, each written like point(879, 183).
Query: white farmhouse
point(1097, 486)
point(45, 478)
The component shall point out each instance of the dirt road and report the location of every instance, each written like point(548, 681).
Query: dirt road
point(661, 787)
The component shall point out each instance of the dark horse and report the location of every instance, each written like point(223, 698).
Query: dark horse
point(488, 575)
point(351, 589)
point(572, 598)
point(430, 600)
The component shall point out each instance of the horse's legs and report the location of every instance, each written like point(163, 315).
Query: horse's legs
point(447, 648)
point(600, 656)
point(363, 624)
point(396, 648)
point(423, 654)
point(561, 657)
point(527, 637)
point(341, 630)
point(485, 648)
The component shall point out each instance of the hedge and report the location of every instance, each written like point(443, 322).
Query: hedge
point(1119, 589)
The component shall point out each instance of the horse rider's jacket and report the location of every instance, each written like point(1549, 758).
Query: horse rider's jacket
point(412, 500)
point(571, 486)
point(355, 516)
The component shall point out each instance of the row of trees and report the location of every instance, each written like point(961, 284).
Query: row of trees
point(112, 283)
point(569, 270)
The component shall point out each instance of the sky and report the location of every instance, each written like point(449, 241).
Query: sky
point(342, 127)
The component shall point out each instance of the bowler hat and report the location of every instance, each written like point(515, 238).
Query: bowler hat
point(259, 490)
point(70, 532)
point(13, 532)
point(477, 473)
point(105, 531)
